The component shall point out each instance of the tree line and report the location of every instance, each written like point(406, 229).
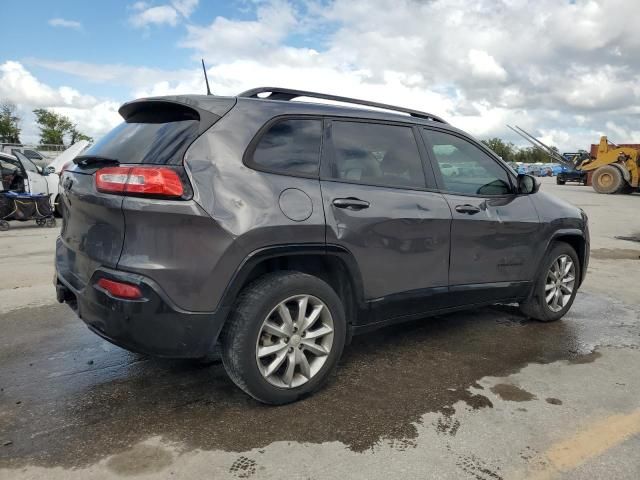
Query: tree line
point(55, 129)
point(510, 153)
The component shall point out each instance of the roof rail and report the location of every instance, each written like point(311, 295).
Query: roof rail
point(287, 94)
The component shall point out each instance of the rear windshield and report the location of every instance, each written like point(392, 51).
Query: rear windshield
point(157, 136)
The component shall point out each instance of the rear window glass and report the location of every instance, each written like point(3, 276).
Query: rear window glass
point(291, 147)
point(145, 138)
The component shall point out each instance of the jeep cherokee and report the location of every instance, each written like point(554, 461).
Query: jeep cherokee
point(276, 229)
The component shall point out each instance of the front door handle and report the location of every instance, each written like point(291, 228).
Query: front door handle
point(468, 209)
point(351, 203)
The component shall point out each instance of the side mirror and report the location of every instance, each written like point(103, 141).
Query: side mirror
point(48, 170)
point(528, 184)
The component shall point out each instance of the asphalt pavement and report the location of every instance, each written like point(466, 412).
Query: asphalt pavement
point(484, 394)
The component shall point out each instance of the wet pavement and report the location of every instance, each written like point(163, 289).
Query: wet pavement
point(70, 399)
point(482, 395)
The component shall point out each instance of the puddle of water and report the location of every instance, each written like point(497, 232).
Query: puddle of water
point(512, 393)
point(632, 238)
point(385, 382)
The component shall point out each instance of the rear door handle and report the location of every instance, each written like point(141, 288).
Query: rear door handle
point(468, 209)
point(350, 203)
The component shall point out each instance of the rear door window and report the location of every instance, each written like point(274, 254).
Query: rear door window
point(376, 154)
point(290, 146)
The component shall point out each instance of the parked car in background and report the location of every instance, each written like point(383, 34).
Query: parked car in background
point(571, 175)
point(27, 177)
point(11, 176)
point(30, 153)
point(545, 171)
point(449, 170)
point(279, 229)
point(556, 168)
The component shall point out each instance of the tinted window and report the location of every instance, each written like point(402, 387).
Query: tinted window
point(141, 142)
point(465, 168)
point(290, 146)
point(7, 166)
point(32, 154)
point(376, 154)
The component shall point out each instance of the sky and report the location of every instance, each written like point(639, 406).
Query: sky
point(566, 70)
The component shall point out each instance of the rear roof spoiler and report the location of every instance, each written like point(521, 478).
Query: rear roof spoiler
point(287, 94)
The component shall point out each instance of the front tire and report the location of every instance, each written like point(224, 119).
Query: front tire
point(284, 338)
point(608, 179)
point(556, 286)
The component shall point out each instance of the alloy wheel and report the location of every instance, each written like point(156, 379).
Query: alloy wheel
point(295, 341)
point(560, 282)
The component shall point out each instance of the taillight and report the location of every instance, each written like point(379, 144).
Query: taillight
point(154, 181)
point(120, 289)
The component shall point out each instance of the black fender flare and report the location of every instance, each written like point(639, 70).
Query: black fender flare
point(240, 276)
point(566, 232)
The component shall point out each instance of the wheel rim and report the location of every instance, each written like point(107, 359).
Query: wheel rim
point(295, 341)
point(560, 283)
point(606, 179)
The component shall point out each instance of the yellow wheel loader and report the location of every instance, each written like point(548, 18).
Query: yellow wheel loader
point(614, 169)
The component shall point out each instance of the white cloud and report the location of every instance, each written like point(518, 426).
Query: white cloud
point(20, 86)
point(227, 39)
point(114, 74)
point(484, 66)
point(160, 15)
point(562, 70)
point(94, 117)
point(168, 14)
point(185, 7)
point(61, 22)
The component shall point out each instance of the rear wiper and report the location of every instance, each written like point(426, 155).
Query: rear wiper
point(93, 161)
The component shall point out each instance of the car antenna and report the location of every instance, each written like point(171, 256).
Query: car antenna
point(206, 79)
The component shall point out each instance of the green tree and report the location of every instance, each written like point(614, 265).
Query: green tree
point(504, 149)
point(9, 123)
point(54, 127)
point(76, 136)
point(532, 155)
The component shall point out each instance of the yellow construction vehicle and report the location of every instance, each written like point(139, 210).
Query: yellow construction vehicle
point(615, 169)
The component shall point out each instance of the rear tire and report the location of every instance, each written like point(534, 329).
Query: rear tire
point(608, 179)
point(559, 181)
point(298, 364)
point(541, 305)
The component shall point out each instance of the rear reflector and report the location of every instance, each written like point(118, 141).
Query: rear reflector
point(154, 181)
point(120, 289)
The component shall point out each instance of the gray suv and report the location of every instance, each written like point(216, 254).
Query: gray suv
point(274, 230)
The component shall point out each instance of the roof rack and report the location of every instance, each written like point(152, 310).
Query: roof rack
point(287, 94)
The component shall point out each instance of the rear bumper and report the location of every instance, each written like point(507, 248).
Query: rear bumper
point(152, 325)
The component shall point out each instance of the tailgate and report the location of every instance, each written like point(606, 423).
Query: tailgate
point(92, 228)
